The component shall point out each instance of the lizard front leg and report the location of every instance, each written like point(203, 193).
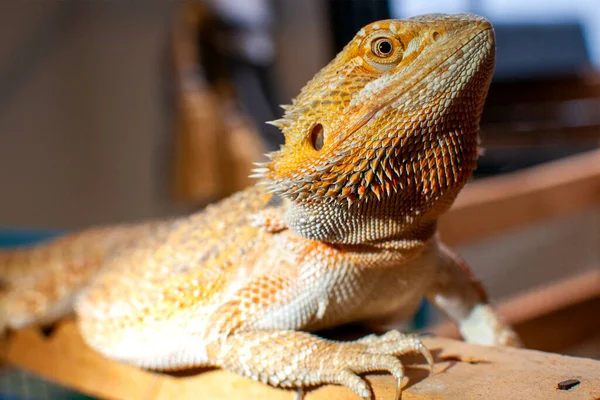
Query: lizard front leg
point(458, 293)
point(253, 342)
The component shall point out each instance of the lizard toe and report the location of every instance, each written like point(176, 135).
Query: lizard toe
point(352, 381)
point(366, 362)
point(397, 343)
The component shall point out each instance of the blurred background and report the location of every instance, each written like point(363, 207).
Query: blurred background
point(122, 111)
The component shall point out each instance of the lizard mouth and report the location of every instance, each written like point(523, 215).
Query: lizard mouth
point(371, 114)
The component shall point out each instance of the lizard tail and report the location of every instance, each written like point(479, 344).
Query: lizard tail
point(39, 284)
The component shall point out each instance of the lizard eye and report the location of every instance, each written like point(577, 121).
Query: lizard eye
point(383, 50)
point(382, 47)
point(317, 136)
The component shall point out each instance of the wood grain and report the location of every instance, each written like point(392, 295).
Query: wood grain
point(462, 371)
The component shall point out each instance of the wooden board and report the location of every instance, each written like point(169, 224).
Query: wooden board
point(497, 205)
point(462, 371)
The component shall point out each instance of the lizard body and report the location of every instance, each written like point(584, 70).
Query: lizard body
point(341, 228)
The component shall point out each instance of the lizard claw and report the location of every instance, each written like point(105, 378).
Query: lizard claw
point(299, 394)
point(428, 357)
point(398, 389)
point(399, 377)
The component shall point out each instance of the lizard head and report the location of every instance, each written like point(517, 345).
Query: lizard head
point(388, 129)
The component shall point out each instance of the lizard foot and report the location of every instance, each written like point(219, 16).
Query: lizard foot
point(381, 353)
point(293, 359)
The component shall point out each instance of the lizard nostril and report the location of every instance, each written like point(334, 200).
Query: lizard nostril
point(436, 36)
point(317, 136)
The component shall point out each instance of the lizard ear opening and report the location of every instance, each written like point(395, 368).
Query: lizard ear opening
point(317, 136)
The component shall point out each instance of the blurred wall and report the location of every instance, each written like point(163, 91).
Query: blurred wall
point(303, 43)
point(85, 124)
point(85, 105)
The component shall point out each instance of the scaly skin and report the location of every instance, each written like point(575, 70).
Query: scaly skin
point(340, 229)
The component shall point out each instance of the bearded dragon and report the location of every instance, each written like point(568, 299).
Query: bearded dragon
point(341, 228)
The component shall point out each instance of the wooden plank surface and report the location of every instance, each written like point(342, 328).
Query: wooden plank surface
point(462, 371)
